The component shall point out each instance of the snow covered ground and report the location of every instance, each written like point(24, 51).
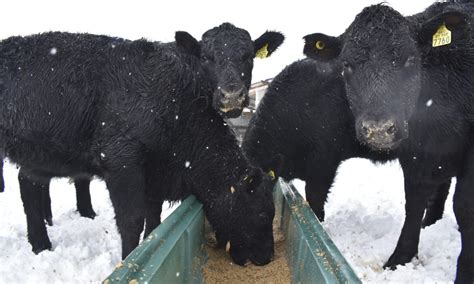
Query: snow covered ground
point(364, 216)
point(84, 250)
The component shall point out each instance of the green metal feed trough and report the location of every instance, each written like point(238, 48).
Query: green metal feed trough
point(175, 251)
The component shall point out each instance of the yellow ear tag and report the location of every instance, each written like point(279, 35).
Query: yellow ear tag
point(442, 36)
point(262, 52)
point(320, 45)
point(272, 174)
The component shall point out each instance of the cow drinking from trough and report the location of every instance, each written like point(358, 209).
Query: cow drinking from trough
point(409, 83)
point(138, 115)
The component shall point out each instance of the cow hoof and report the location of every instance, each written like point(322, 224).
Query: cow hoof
point(395, 260)
point(42, 247)
point(88, 213)
point(49, 221)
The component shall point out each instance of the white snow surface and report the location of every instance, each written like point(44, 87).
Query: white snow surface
point(84, 250)
point(364, 217)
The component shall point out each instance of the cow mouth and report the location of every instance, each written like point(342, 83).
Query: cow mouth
point(230, 112)
point(261, 262)
point(383, 147)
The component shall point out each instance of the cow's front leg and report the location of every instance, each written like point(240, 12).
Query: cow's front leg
point(31, 192)
point(127, 188)
point(416, 195)
point(153, 215)
point(464, 211)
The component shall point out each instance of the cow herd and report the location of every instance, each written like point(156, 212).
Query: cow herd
point(149, 119)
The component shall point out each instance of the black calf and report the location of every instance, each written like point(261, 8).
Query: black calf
point(417, 72)
point(136, 114)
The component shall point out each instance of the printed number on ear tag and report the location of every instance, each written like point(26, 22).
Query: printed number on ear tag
point(442, 36)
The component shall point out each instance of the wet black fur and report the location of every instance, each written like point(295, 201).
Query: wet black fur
point(305, 117)
point(133, 113)
point(236, 51)
point(437, 144)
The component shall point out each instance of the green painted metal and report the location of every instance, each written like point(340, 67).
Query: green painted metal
point(174, 252)
point(311, 254)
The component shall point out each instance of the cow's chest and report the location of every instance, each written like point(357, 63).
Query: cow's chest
point(436, 145)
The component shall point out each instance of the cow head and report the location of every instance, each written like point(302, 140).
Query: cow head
point(227, 52)
point(381, 57)
point(252, 212)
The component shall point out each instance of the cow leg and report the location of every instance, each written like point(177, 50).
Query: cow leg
point(46, 205)
point(126, 189)
point(435, 207)
point(416, 195)
point(31, 195)
point(83, 197)
point(318, 185)
point(464, 211)
point(153, 216)
point(2, 182)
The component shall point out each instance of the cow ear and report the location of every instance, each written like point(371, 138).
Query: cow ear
point(267, 43)
point(188, 43)
point(445, 29)
point(321, 47)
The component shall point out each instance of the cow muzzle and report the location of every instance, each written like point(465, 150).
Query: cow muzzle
point(231, 104)
point(382, 134)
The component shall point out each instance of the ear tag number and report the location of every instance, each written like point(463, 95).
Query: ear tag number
point(262, 52)
point(442, 36)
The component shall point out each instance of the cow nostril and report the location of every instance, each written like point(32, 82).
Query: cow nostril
point(391, 130)
point(365, 131)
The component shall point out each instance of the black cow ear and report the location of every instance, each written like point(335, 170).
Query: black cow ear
point(445, 29)
point(188, 43)
point(267, 43)
point(321, 47)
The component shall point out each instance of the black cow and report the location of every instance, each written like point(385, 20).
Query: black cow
point(233, 77)
point(409, 82)
point(137, 114)
point(305, 117)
